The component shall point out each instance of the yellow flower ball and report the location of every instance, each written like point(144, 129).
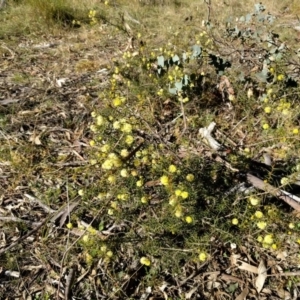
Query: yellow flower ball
point(258, 214)
point(260, 239)
point(178, 212)
point(93, 162)
point(231, 97)
point(160, 92)
point(124, 153)
point(116, 125)
point(178, 192)
point(274, 246)
point(129, 139)
point(103, 248)
point(235, 221)
point(172, 201)
point(188, 219)
point(285, 112)
point(92, 230)
point(254, 201)
point(261, 225)
point(295, 131)
point(109, 253)
point(100, 120)
point(69, 225)
point(88, 258)
point(137, 163)
point(145, 160)
point(284, 180)
point(107, 165)
point(105, 148)
point(123, 197)
point(117, 162)
point(280, 77)
point(117, 102)
point(134, 173)
point(127, 128)
point(85, 238)
point(114, 204)
point(164, 180)
point(145, 261)
point(190, 177)
point(101, 196)
point(144, 199)
point(172, 169)
point(111, 179)
point(202, 256)
point(291, 225)
point(268, 109)
point(184, 195)
point(268, 239)
point(93, 128)
point(266, 126)
point(139, 183)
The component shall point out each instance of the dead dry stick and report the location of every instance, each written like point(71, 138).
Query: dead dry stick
point(184, 119)
point(290, 199)
point(45, 207)
point(260, 184)
point(51, 218)
point(24, 237)
point(18, 220)
point(69, 282)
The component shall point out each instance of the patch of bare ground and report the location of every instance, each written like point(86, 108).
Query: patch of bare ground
point(48, 87)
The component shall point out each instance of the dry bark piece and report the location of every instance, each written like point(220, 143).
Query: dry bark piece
point(286, 197)
point(205, 133)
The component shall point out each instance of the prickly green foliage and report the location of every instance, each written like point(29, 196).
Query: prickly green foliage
point(147, 176)
point(254, 34)
point(256, 47)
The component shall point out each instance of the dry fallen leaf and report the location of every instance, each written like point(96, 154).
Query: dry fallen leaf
point(284, 294)
point(189, 294)
point(35, 139)
point(262, 275)
point(243, 294)
point(282, 255)
point(234, 258)
point(247, 267)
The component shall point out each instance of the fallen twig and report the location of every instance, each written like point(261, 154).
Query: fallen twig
point(24, 237)
point(286, 197)
point(40, 203)
point(289, 198)
point(69, 283)
point(18, 220)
